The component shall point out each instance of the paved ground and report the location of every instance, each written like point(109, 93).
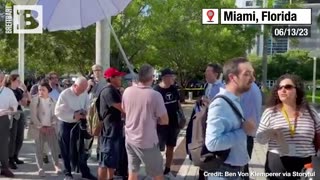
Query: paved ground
point(182, 167)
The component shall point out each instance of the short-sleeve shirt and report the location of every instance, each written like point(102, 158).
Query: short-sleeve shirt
point(143, 107)
point(111, 116)
point(171, 99)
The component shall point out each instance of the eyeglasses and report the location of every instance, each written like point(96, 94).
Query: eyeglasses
point(286, 87)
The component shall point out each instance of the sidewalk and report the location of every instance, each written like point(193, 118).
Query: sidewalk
point(182, 167)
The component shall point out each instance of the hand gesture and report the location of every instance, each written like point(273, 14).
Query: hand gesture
point(78, 116)
point(249, 127)
point(91, 82)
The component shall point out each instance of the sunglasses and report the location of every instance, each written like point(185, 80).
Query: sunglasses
point(286, 87)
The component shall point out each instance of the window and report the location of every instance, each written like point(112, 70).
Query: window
point(249, 3)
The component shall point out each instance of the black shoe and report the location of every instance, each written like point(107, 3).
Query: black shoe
point(46, 159)
point(12, 164)
point(90, 176)
point(18, 161)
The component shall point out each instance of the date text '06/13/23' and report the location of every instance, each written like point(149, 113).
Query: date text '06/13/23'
point(291, 31)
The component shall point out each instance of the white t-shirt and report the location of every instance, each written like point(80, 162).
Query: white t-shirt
point(7, 100)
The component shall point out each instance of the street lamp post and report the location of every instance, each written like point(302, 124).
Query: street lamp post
point(21, 36)
point(103, 43)
point(314, 87)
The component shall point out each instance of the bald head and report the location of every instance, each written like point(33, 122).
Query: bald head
point(80, 85)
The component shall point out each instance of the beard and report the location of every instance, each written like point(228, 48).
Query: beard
point(245, 88)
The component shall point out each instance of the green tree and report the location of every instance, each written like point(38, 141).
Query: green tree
point(162, 33)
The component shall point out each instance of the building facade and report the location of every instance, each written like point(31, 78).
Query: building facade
point(312, 43)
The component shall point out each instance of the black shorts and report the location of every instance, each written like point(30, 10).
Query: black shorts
point(167, 136)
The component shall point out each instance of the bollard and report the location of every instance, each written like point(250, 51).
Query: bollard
point(190, 95)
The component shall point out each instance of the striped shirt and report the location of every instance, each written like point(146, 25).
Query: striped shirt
point(301, 144)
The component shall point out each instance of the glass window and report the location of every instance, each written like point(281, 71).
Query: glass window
point(249, 3)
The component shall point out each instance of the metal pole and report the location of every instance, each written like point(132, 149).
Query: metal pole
point(103, 43)
point(130, 66)
point(21, 48)
point(264, 52)
point(288, 44)
point(314, 79)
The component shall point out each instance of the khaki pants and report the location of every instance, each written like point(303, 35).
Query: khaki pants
point(52, 142)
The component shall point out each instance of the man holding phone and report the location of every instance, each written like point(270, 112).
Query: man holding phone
point(72, 107)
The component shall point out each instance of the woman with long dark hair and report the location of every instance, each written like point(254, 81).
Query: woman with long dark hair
point(288, 125)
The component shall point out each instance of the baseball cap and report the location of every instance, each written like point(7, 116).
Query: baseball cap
point(112, 72)
point(166, 71)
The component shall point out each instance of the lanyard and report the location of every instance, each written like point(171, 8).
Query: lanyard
point(292, 127)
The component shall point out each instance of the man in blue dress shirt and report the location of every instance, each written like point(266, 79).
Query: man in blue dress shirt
point(225, 130)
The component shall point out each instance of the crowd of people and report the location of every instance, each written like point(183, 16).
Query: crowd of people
point(145, 118)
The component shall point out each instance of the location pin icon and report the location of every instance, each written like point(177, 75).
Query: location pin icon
point(210, 15)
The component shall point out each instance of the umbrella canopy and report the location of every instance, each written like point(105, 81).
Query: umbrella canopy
point(77, 14)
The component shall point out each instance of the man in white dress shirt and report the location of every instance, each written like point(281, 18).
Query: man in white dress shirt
point(71, 107)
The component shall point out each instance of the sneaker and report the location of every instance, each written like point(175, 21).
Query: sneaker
point(12, 164)
point(7, 173)
point(41, 173)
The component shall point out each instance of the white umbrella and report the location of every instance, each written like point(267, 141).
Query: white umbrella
point(77, 14)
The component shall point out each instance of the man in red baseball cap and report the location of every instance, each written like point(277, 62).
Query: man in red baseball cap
point(110, 113)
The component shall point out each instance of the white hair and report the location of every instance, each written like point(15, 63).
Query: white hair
point(80, 80)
